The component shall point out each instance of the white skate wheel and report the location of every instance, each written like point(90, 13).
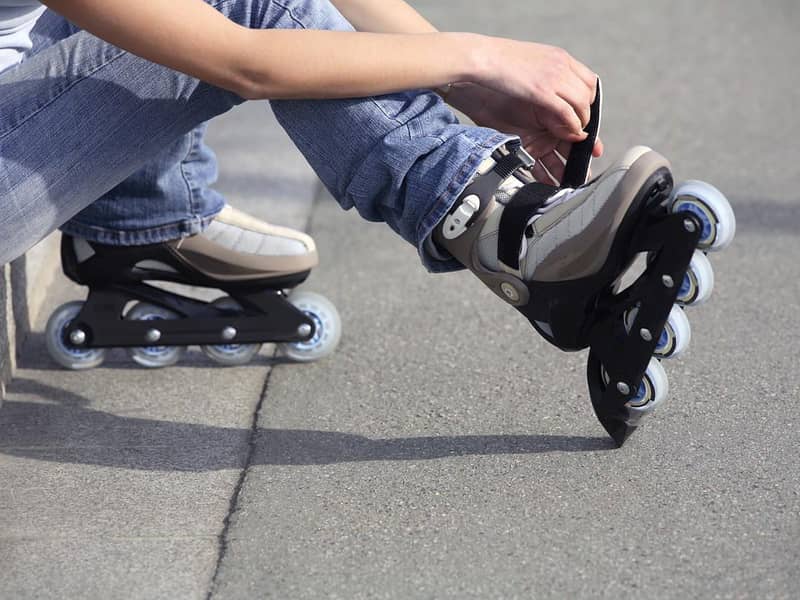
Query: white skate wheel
point(327, 328)
point(675, 336)
point(709, 205)
point(60, 349)
point(698, 283)
point(651, 393)
point(230, 354)
point(153, 357)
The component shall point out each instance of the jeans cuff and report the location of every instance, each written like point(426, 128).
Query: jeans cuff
point(139, 237)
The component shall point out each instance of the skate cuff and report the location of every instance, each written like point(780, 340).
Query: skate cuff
point(479, 193)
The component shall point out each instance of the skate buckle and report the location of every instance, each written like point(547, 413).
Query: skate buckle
point(457, 221)
point(526, 159)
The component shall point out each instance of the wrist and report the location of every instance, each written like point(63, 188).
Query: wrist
point(468, 52)
point(476, 52)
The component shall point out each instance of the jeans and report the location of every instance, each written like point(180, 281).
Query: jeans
point(110, 147)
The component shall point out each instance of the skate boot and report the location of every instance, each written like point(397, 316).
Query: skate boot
point(559, 256)
point(253, 263)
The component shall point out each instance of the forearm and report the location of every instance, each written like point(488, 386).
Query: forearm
point(191, 37)
point(347, 64)
point(383, 16)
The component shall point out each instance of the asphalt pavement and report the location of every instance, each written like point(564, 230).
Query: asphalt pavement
point(445, 450)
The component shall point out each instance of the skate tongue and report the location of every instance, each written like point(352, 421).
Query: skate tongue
point(576, 171)
point(559, 197)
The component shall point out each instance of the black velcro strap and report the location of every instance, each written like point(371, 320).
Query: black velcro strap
point(514, 220)
point(576, 171)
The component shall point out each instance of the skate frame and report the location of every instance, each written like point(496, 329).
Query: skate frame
point(671, 240)
point(267, 317)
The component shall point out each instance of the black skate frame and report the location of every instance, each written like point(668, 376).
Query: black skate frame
point(114, 281)
point(623, 353)
point(267, 316)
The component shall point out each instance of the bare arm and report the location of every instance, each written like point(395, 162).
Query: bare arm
point(192, 37)
point(540, 133)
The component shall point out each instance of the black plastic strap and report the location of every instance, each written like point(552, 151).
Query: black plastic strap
point(514, 220)
point(576, 171)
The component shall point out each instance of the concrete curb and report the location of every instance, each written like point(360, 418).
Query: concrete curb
point(22, 293)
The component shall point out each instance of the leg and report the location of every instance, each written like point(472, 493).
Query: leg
point(405, 167)
point(78, 118)
point(400, 158)
point(168, 197)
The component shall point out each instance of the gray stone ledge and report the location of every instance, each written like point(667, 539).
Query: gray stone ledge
point(22, 292)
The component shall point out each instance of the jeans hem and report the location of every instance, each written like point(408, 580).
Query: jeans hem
point(140, 237)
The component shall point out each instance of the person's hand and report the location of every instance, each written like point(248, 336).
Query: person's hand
point(499, 111)
point(538, 92)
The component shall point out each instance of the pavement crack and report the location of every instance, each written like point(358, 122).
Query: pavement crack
point(222, 544)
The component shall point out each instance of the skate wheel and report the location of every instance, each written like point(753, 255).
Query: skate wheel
point(698, 283)
point(712, 208)
point(58, 346)
point(651, 393)
point(327, 328)
point(675, 336)
point(153, 357)
point(230, 355)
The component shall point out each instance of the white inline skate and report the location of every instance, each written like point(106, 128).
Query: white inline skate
point(559, 256)
point(255, 264)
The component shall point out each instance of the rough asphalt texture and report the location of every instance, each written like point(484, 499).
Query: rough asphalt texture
point(445, 451)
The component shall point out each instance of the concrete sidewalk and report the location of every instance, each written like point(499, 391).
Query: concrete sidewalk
point(445, 451)
point(117, 482)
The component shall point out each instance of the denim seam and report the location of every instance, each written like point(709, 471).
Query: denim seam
point(160, 229)
point(62, 92)
point(377, 104)
point(290, 13)
point(187, 178)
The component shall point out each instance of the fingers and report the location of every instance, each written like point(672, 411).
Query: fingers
point(561, 119)
point(579, 95)
point(554, 165)
point(587, 76)
point(578, 90)
point(541, 174)
point(598, 149)
point(567, 109)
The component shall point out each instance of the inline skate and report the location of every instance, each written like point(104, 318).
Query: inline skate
point(254, 265)
point(561, 257)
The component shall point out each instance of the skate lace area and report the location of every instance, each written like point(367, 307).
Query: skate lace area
point(257, 243)
point(563, 195)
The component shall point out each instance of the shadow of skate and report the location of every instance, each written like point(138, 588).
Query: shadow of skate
point(62, 428)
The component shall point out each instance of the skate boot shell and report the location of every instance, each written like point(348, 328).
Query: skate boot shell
point(558, 255)
point(253, 264)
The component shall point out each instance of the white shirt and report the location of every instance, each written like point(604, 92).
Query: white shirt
point(17, 18)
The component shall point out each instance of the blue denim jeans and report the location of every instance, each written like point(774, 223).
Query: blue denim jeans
point(109, 146)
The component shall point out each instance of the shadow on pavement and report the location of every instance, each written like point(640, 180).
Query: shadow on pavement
point(66, 430)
